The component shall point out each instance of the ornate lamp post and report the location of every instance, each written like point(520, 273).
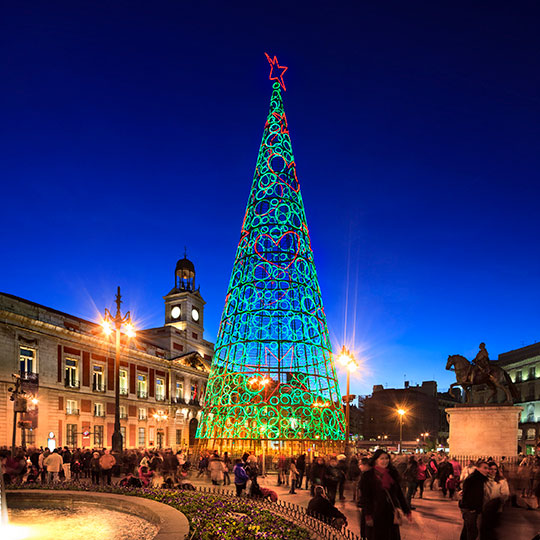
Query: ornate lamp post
point(347, 360)
point(160, 416)
point(401, 413)
point(112, 324)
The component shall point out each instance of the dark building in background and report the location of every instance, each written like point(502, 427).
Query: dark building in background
point(424, 408)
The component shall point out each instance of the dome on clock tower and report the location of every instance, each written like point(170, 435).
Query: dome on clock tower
point(184, 275)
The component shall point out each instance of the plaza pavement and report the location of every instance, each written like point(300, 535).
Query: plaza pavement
point(435, 517)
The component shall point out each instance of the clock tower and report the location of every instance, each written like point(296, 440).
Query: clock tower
point(184, 305)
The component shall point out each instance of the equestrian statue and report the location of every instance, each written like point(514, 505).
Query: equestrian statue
point(481, 371)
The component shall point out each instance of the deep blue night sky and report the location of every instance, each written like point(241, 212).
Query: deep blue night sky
point(131, 129)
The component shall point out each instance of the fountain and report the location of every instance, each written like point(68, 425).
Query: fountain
point(8, 531)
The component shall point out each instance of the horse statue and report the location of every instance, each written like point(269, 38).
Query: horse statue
point(469, 375)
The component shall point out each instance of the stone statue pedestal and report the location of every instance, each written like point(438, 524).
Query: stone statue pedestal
point(483, 430)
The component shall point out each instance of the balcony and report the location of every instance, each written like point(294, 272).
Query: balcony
point(123, 416)
point(99, 414)
point(98, 387)
point(70, 382)
point(194, 402)
point(142, 418)
point(72, 412)
point(29, 376)
point(160, 398)
point(124, 391)
point(142, 394)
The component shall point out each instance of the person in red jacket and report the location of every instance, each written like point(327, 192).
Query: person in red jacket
point(451, 485)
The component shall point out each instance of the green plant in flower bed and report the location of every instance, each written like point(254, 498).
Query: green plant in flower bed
point(211, 516)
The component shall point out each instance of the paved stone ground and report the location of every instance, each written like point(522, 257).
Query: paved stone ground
point(435, 517)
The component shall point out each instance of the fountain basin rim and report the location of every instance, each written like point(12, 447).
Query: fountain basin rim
point(173, 524)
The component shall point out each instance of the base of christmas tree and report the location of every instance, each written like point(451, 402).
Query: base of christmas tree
point(288, 448)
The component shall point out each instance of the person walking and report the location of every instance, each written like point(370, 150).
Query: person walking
point(106, 462)
point(226, 469)
point(472, 500)
point(215, 468)
point(67, 457)
point(451, 485)
point(293, 475)
point(240, 477)
point(411, 478)
point(496, 493)
point(301, 467)
point(317, 473)
point(432, 469)
point(332, 478)
point(445, 470)
point(95, 469)
point(382, 498)
point(53, 462)
point(421, 477)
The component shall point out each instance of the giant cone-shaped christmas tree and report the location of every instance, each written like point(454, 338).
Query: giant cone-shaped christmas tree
point(273, 375)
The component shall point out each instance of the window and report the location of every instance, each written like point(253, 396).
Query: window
point(179, 390)
point(532, 372)
point(71, 407)
point(123, 380)
point(30, 437)
point(99, 409)
point(520, 433)
point(98, 436)
point(142, 436)
point(71, 435)
point(178, 436)
point(123, 432)
point(194, 396)
point(98, 379)
point(72, 373)
point(160, 389)
point(142, 389)
point(27, 360)
point(519, 376)
point(142, 413)
point(194, 335)
point(530, 413)
point(123, 412)
point(531, 433)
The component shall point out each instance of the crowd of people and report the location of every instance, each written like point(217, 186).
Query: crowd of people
point(382, 486)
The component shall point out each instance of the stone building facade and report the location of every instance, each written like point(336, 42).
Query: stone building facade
point(68, 364)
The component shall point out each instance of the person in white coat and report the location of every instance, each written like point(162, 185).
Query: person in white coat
point(54, 463)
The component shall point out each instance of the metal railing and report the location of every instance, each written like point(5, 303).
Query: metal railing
point(142, 394)
point(73, 412)
point(320, 526)
point(70, 382)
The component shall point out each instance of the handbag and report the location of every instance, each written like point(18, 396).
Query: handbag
point(398, 513)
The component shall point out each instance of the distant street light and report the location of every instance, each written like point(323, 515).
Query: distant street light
point(112, 324)
point(347, 360)
point(401, 413)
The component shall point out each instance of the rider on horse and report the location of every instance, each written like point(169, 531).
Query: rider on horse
point(481, 362)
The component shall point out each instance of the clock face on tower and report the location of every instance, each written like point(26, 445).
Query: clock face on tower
point(195, 314)
point(175, 312)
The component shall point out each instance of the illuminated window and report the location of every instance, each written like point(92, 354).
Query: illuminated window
point(142, 413)
point(72, 407)
point(71, 435)
point(532, 372)
point(531, 434)
point(142, 436)
point(178, 436)
point(98, 435)
point(99, 409)
point(519, 376)
point(98, 379)
point(72, 373)
point(160, 389)
point(142, 386)
point(123, 380)
point(27, 360)
point(179, 390)
point(123, 412)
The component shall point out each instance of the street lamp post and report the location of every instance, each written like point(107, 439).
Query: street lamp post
point(346, 358)
point(114, 324)
point(401, 414)
point(160, 416)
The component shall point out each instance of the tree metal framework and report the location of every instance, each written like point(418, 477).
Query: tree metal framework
point(273, 376)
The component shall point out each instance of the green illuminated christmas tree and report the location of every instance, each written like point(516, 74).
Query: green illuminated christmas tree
point(273, 375)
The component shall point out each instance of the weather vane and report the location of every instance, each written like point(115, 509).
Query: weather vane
point(276, 71)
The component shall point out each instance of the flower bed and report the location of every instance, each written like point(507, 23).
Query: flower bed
point(211, 516)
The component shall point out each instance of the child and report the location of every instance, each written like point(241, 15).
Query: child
point(451, 484)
